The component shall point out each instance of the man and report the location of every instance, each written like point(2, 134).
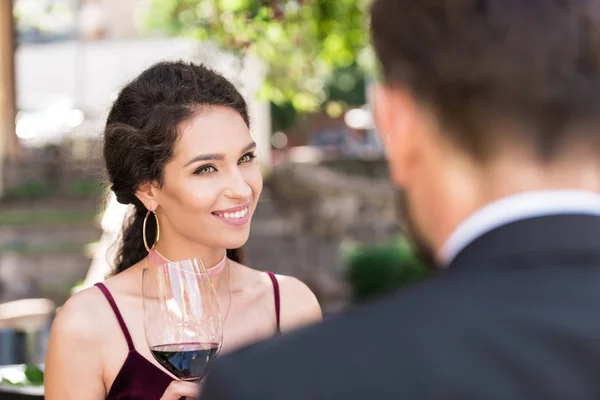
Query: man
point(490, 115)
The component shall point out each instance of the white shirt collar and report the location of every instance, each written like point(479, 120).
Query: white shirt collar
point(516, 207)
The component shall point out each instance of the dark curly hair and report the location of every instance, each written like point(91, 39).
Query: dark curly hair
point(478, 63)
point(141, 132)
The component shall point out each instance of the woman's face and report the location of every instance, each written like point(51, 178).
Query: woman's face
point(213, 182)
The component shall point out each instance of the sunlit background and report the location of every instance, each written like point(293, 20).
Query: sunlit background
point(328, 212)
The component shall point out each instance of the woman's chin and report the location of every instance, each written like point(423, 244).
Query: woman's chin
point(235, 243)
point(229, 237)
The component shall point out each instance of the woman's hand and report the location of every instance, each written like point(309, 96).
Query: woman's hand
point(178, 389)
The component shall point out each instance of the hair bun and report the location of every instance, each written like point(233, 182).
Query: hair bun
point(123, 196)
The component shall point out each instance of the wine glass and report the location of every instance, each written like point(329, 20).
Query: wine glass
point(181, 317)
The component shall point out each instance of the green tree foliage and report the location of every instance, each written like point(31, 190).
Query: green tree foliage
point(315, 49)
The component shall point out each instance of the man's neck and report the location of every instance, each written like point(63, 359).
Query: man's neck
point(514, 208)
point(464, 187)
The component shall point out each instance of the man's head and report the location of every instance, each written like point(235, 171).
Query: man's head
point(486, 98)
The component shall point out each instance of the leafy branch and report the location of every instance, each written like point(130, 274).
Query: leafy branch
point(303, 42)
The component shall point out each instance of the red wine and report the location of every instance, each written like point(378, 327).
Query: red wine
point(187, 361)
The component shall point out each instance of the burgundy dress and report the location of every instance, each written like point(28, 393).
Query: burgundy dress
point(139, 378)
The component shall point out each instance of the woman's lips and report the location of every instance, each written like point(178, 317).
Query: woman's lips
point(234, 216)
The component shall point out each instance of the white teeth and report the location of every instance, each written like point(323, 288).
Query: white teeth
point(237, 214)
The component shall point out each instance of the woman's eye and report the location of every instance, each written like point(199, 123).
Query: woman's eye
point(207, 169)
point(247, 158)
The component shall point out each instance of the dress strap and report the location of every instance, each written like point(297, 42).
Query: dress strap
point(115, 309)
point(277, 299)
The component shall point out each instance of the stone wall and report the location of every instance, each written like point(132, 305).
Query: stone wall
point(53, 166)
point(375, 167)
point(44, 260)
point(306, 216)
point(331, 204)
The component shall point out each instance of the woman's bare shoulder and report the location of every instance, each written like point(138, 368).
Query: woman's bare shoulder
point(299, 305)
point(74, 360)
point(81, 317)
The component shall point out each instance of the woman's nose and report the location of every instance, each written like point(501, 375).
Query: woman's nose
point(237, 186)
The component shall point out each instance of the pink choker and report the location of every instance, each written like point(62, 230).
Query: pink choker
point(159, 259)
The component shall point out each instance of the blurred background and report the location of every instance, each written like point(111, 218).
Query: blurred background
point(328, 211)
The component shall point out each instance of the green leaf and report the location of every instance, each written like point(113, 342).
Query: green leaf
point(34, 375)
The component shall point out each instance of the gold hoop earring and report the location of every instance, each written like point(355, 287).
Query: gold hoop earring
point(157, 236)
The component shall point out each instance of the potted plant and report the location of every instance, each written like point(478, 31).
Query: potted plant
point(373, 270)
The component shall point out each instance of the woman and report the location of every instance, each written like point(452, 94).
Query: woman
point(178, 147)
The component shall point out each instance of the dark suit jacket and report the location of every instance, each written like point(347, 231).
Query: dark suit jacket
point(515, 316)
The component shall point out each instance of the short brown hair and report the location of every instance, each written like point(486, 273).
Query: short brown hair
point(476, 62)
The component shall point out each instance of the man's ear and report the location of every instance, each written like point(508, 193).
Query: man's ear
point(147, 193)
point(396, 116)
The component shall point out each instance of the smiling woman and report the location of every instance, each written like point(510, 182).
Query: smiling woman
point(212, 172)
point(178, 149)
